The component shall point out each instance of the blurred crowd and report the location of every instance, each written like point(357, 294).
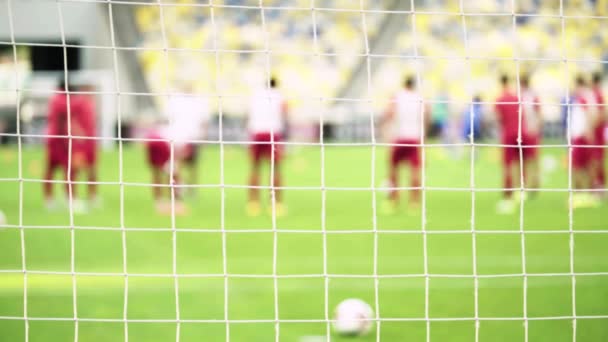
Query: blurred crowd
point(224, 48)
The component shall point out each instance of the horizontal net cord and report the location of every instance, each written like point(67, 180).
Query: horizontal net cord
point(303, 276)
point(303, 188)
point(298, 143)
point(244, 321)
point(311, 231)
point(332, 9)
point(307, 53)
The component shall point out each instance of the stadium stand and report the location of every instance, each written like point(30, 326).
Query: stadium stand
point(438, 39)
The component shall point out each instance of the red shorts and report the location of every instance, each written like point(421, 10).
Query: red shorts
point(599, 139)
point(57, 153)
point(159, 152)
point(411, 154)
point(511, 153)
point(581, 155)
point(259, 150)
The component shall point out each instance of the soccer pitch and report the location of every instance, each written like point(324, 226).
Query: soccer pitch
point(549, 301)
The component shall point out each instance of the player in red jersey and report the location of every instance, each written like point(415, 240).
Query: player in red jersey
point(530, 103)
point(61, 123)
point(512, 124)
point(599, 133)
point(266, 123)
point(407, 113)
point(582, 121)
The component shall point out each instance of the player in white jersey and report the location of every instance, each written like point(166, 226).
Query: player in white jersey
point(160, 155)
point(530, 103)
point(188, 116)
point(267, 122)
point(582, 120)
point(407, 113)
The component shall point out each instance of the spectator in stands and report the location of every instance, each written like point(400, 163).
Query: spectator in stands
point(439, 114)
point(473, 113)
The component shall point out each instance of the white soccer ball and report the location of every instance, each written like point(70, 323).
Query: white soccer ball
point(2, 219)
point(353, 317)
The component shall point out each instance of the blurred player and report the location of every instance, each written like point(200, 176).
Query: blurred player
point(266, 123)
point(530, 103)
point(599, 134)
point(583, 120)
point(88, 119)
point(512, 129)
point(407, 113)
point(189, 115)
point(165, 166)
point(64, 122)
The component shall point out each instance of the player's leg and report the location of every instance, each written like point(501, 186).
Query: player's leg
point(508, 161)
point(71, 174)
point(256, 153)
point(509, 167)
point(159, 153)
point(91, 172)
point(394, 160)
point(189, 169)
point(532, 165)
point(277, 181)
point(159, 190)
point(582, 173)
point(414, 159)
point(52, 164)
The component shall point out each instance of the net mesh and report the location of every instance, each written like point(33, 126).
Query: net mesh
point(264, 54)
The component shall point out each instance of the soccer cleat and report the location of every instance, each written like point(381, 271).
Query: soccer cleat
point(253, 209)
point(79, 207)
point(590, 201)
point(280, 209)
point(180, 208)
point(50, 205)
point(505, 207)
point(583, 200)
point(517, 196)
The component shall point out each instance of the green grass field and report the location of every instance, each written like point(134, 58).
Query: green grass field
point(299, 254)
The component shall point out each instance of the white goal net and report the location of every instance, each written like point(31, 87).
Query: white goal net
point(241, 174)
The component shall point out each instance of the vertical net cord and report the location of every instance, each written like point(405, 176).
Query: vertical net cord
point(69, 175)
point(172, 172)
point(273, 190)
point(120, 174)
point(222, 181)
point(368, 101)
point(422, 189)
point(20, 170)
point(323, 189)
point(472, 172)
point(521, 168)
point(570, 149)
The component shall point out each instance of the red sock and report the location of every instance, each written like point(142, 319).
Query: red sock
point(48, 186)
point(508, 184)
point(394, 180)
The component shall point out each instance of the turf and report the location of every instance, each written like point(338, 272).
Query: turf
point(349, 223)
